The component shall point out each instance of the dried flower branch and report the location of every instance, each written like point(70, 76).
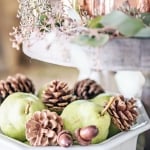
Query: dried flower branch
point(40, 16)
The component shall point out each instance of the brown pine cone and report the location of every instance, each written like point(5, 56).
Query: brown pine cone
point(87, 89)
point(57, 96)
point(43, 128)
point(123, 112)
point(17, 83)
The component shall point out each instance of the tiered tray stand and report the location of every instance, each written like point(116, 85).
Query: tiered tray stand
point(117, 54)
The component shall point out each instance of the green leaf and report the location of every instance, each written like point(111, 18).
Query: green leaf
point(95, 22)
point(126, 25)
point(43, 18)
point(91, 40)
point(144, 33)
point(146, 18)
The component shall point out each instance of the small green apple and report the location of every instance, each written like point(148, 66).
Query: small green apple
point(102, 99)
point(81, 113)
point(15, 111)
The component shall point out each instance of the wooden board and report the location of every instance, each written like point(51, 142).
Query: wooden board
point(117, 54)
point(130, 54)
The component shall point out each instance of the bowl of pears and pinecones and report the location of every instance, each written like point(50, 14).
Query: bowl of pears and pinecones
point(58, 115)
point(82, 115)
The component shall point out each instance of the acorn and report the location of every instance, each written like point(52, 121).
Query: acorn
point(85, 135)
point(64, 139)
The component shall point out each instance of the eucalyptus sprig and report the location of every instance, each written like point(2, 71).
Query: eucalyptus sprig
point(134, 12)
point(116, 24)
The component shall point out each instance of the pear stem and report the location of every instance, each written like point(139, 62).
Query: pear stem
point(27, 108)
point(108, 105)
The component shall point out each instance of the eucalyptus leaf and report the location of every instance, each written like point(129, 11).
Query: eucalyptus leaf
point(144, 33)
point(95, 22)
point(92, 41)
point(126, 25)
point(146, 18)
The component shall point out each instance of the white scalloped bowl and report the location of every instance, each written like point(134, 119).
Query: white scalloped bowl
point(122, 141)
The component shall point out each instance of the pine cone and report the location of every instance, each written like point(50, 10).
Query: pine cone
point(57, 96)
point(17, 83)
point(87, 89)
point(123, 112)
point(43, 128)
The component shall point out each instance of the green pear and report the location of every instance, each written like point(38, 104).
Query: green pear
point(83, 113)
point(113, 130)
point(15, 111)
point(41, 91)
point(102, 99)
point(27, 142)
